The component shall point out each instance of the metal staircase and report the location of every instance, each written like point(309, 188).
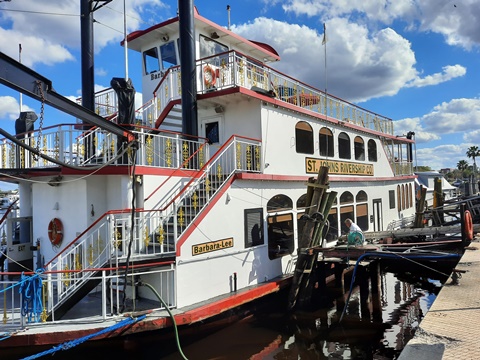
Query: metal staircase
point(156, 231)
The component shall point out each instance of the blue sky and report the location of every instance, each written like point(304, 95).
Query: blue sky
point(415, 61)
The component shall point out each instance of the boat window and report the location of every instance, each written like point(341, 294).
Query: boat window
point(359, 147)
point(403, 197)
point(391, 196)
point(410, 195)
point(399, 198)
point(280, 235)
point(344, 151)
point(253, 227)
point(302, 202)
point(361, 196)
point(303, 138)
point(372, 150)
point(169, 56)
point(332, 229)
point(212, 132)
point(325, 138)
point(209, 48)
point(150, 61)
point(279, 202)
point(362, 216)
point(346, 198)
point(346, 212)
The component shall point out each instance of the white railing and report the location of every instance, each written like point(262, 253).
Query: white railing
point(238, 154)
point(110, 296)
point(68, 144)
point(234, 69)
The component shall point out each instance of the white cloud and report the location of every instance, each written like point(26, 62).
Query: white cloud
point(449, 73)
point(441, 156)
point(414, 124)
point(10, 108)
point(360, 66)
point(457, 21)
point(454, 116)
point(34, 21)
point(472, 137)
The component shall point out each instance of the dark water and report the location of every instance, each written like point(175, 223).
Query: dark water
point(268, 332)
point(317, 334)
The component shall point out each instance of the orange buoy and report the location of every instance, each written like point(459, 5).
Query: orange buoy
point(209, 76)
point(55, 231)
point(467, 218)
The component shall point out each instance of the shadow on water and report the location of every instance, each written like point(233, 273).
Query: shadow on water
point(364, 333)
point(267, 331)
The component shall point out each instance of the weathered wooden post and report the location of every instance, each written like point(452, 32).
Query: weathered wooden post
point(306, 259)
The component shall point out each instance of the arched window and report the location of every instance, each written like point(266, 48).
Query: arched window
point(399, 198)
point(361, 210)
point(302, 202)
point(410, 194)
point(361, 196)
point(303, 138)
point(346, 198)
point(344, 151)
point(372, 150)
point(346, 209)
point(325, 138)
point(359, 147)
point(279, 202)
point(403, 197)
point(280, 226)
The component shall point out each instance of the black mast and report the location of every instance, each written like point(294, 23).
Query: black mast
point(188, 71)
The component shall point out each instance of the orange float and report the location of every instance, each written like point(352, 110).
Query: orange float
point(467, 218)
point(55, 231)
point(209, 76)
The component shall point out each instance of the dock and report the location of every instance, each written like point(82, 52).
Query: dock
point(450, 329)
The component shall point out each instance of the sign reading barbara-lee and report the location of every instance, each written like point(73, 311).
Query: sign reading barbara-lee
point(212, 246)
point(338, 167)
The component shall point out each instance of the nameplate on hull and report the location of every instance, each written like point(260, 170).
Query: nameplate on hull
point(338, 167)
point(212, 246)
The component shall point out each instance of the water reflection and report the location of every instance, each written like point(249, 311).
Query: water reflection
point(364, 333)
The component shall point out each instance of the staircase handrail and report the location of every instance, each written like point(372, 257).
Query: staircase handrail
point(204, 169)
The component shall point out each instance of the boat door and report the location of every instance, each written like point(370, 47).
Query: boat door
point(212, 129)
point(18, 233)
point(377, 215)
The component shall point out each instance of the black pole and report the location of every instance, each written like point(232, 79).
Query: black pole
point(86, 30)
point(188, 67)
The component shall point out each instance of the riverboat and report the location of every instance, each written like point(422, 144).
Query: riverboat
point(187, 206)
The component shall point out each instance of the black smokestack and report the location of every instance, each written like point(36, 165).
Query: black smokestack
point(86, 30)
point(188, 71)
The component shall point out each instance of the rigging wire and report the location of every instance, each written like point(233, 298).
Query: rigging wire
point(39, 12)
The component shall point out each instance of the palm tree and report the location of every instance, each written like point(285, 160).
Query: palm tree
point(473, 152)
point(462, 165)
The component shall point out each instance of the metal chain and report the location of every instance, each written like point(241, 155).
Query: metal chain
point(42, 110)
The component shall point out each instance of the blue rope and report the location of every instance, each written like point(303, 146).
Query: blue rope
point(70, 344)
point(31, 291)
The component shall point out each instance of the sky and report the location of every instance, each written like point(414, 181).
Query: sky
point(414, 61)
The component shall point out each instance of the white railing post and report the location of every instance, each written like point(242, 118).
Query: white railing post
point(104, 295)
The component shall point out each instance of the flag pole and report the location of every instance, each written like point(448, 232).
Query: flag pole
point(324, 43)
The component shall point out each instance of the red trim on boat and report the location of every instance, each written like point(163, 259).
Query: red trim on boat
point(197, 314)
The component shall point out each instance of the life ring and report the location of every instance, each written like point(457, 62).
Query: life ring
point(55, 231)
point(209, 76)
point(467, 219)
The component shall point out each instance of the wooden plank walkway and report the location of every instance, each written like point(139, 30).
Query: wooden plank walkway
point(450, 329)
